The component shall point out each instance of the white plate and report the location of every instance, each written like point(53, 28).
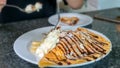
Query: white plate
point(84, 20)
point(22, 44)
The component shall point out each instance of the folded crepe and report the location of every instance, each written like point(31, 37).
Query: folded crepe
point(71, 47)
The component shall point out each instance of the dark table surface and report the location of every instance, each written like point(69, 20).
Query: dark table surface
point(10, 32)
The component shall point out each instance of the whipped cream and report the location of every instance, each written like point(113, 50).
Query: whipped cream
point(48, 44)
point(32, 8)
point(38, 6)
point(29, 8)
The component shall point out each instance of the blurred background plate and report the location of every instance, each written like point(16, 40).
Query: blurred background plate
point(84, 20)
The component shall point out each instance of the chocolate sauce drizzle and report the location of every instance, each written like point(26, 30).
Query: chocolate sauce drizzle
point(70, 45)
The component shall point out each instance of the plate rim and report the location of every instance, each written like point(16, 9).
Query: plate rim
point(90, 22)
point(74, 65)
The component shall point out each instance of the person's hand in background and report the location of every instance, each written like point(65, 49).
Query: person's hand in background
point(75, 4)
point(2, 3)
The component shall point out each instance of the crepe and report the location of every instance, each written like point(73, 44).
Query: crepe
point(75, 47)
point(69, 20)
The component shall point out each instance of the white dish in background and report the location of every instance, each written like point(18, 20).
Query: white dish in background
point(22, 44)
point(84, 20)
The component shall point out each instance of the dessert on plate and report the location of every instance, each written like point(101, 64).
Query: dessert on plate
point(69, 20)
point(68, 47)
